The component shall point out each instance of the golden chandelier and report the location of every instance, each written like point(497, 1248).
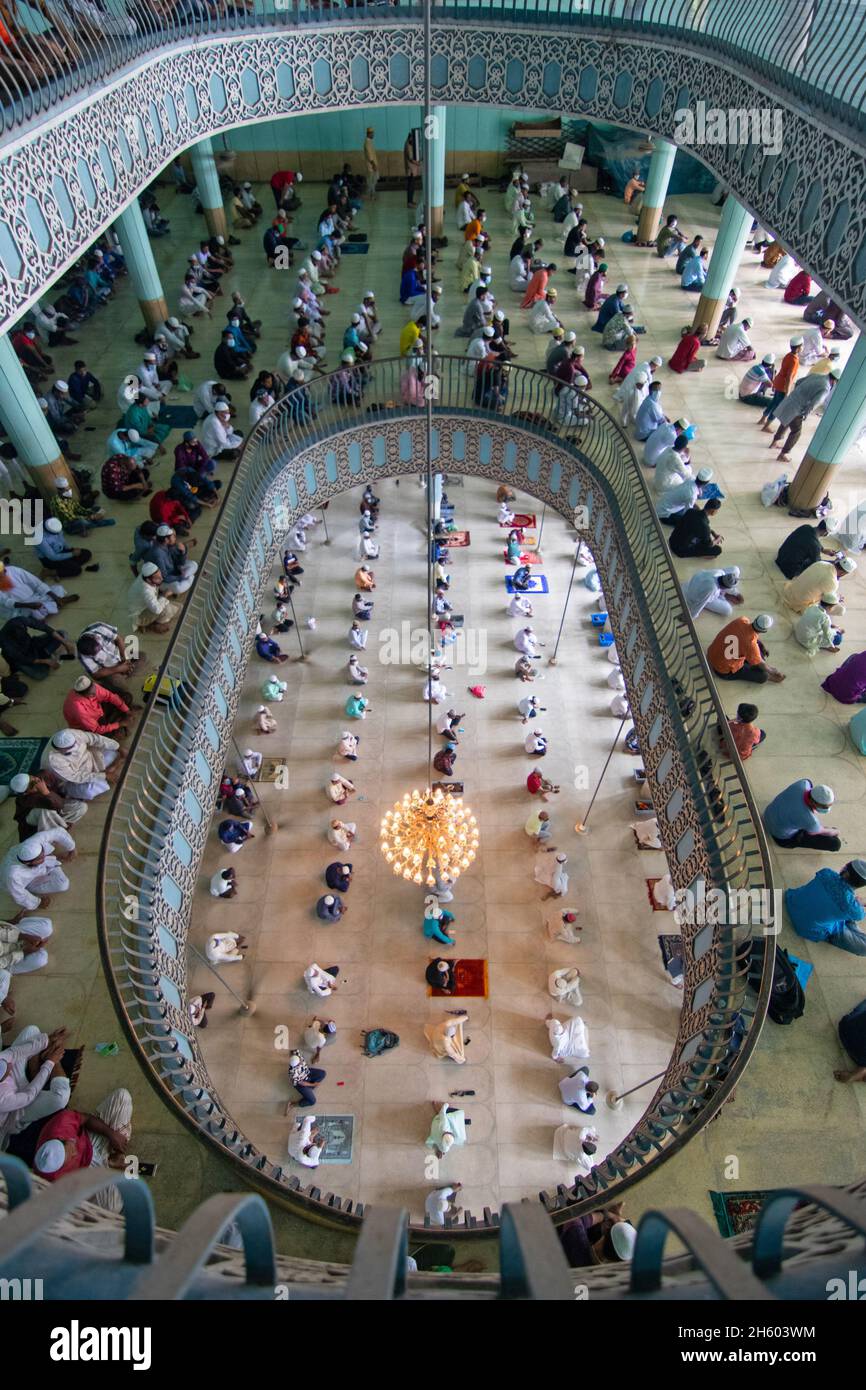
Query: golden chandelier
point(427, 831)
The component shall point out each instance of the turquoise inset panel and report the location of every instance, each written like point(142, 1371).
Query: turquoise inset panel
point(685, 846)
point(476, 72)
point(182, 1044)
point(684, 98)
point(228, 672)
point(169, 992)
point(405, 446)
point(220, 700)
point(108, 168)
point(573, 491)
point(514, 75)
point(248, 594)
point(533, 466)
point(193, 809)
point(701, 996)
point(171, 893)
point(166, 941)
point(509, 457)
point(234, 644)
point(663, 771)
point(38, 225)
point(485, 449)
point(170, 112)
point(552, 79)
point(182, 848)
point(202, 767)
point(141, 136)
point(191, 101)
point(285, 81)
point(768, 170)
point(360, 71)
point(380, 456)
point(434, 444)
point(218, 98)
point(85, 178)
point(703, 940)
point(637, 673)
point(811, 203)
point(399, 70)
point(155, 123)
point(322, 77)
point(268, 528)
point(622, 89)
point(331, 466)
point(354, 456)
point(555, 477)
point(653, 99)
point(210, 733)
point(748, 159)
point(674, 806)
point(655, 731)
point(250, 90)
point(617, 594)
point(125, 151)
point(64, 202)
point(439, 71)
point(792, 172)
point(860, 262)
point(292, 490)
point(838, 226)
point(260, 552)
point(458, 446)
point(588, 84)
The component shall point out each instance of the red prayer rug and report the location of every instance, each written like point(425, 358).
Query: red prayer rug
point(470, 979)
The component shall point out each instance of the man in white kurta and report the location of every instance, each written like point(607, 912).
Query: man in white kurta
point(568, 1040)
point(23, 1100)
point(302, 1146)
point(661, 440)
point(22, 595)
point(542, 319)
point(550, 871)
point(147, 606)
point(814, 630)
point(735, 343)
point(818, 583)
point(31, 871)
point(217, 435)
point(80, 760)
point(713, 590)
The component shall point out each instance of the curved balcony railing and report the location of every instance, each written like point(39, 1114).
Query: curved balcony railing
point(304, 451)
point(815, 49)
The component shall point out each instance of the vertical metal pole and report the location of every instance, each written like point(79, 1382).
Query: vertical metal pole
point(541, 527)
point(428, 385)
point(551, 661)
point(327, 540)
point(297, 627)
point(581, 824)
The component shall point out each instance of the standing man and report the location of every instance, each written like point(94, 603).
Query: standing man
point(412, 167)
point(371, 163)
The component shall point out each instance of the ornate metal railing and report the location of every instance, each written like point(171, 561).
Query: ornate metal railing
point(815, 49)
point(55, 1243)
point(307, 449)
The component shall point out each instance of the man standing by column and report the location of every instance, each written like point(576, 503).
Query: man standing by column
point(371, 164)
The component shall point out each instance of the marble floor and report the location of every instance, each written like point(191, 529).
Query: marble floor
point(787, 1107)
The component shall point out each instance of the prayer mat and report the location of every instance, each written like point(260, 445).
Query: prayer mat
point(521, 520)
point(338, 1132)
point(178, 417)
point(353, 248)
point(470, 980)
point(272, 769)
point(670, 946)
point(737, 1212)
point(19, 755)
point(650, 885)
point(456, 538)
point(653, 849)
point(452, 480)
point(525, 559)
point(537, 585)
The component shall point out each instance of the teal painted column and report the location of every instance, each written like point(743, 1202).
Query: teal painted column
point(207, 182)
point(838, 429)
point(142, 267)
point(27, 426)
point(725, 261)
point(657, 180)
point(436, 165)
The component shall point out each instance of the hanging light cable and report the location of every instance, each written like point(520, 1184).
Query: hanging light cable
point(429, 834)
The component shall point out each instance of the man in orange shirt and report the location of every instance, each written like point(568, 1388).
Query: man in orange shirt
point(782, 383)
point(737, 654)
point(744, 732)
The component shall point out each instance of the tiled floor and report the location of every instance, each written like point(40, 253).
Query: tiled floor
point(787, 1107)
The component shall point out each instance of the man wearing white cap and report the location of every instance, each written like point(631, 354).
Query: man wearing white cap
point(86, 763)
point(542, 318)
point(792, 817)
point(172, 559)
point(682, 499)
point(149, 384)
point(818, 583)
point(218, 438)
point(63, 414)
point(370, 325)
point(41, 803)
point(448, 1128)
point(32, 1086)
point(72, 1140)
point(663, 437)
point(21, 947)
point(23, 595)
point(30, 871)
point(58, 556)
point(736, 653)
point(713, 591)
point(479, 346)
point(205, 397)
point(808, 394)
point(95, 709)
point(756, 386)
point(735, 345)
point(148, 608)
point(178, 337)
point(551, 873)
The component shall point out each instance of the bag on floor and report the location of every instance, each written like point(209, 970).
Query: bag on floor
point(787, 1000)
point(379, 1040)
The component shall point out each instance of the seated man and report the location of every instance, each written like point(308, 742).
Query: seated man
point(96, 709)
point(32, 1083)
point(73, 1139)
point(792, 817)
point(826, 908)
point(737, 654)
point(31, 646)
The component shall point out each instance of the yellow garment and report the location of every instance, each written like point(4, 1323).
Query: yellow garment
point(460, 194)
point(470, 273)
point(409, 337)
point(808, 587)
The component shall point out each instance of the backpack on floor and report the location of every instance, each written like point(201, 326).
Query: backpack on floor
point(787, 1000)
point(379, 1040)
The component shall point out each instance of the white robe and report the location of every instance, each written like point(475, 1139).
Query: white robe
point(299, 1140)
point(733, 341)
point(216, 437)
point(565, 990)
point(550, 873)
point(569, 1041)
point(26, 588)
point(542, 319)
point(27, 883)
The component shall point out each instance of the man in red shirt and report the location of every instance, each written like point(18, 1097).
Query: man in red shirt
point(537, 785)
point(283, 186)
point(72, 1140)
point(685, 358)
point(96, 710)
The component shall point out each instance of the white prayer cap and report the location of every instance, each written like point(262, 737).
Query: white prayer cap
point(655, 361)
point(50, 1157)
point(704, 475)
point(133, 436)
point(316, 256)
point(622, 1237)
point(42, 403)
point(835, 372)
point(580, 351)
point(362, 347)
point(464, 177)
point(300, 351)
point(368, 294)
point(446, 1142)
point(768, 359)
point(83, 683)
point(173, 323)
point(796, 342)
point(247, 185)
point(19, 783)
point(763, 622)
point(356, 318)
point(570, 337)
point(64, 738)
point(488, 331)
point(499, 315)
point(562, 859)
point(298, 375)
point(221, 241)
point(829, 598)
point(622, 289)
point(299, 177)
point(347, 868)
point(640, 379)
point(221, 408)
point(820, 794)
point(163, 530)
point(148, 570)
point(62, 386)
point(29, 850)
point(733, 572)
point(600, 241)
point(53, 525)
point(62, 484)
point(328, 900)
point(297, 303)
point(847, 565)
